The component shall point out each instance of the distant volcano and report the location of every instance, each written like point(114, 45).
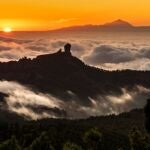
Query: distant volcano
point(119, 23)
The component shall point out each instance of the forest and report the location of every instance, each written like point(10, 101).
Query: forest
point(127, 131)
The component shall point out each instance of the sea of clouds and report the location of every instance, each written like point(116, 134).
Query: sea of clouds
point(103, 53)
point(106, 54)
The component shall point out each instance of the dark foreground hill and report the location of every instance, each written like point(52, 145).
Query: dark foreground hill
point(61, 72)
point(115, 131)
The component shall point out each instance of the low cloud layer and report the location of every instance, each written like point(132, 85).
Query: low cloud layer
point(109, 54)
point(25, 102)
point(104, 53)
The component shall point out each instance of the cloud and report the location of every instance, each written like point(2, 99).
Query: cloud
point(128, 100)
point(25, 102)
point(77, 47)
point(37, 48)
point(138, 64)
point(106, 54)
point(63, 20)
point(8, 40)
point(58, 43)
point(111, 104)
point(109, 54)
point(29, 104)
point(113, 57)
point(145, 53)
point(4, 48)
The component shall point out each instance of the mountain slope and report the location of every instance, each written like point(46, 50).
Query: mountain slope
point(60, 73)
point(117, 25)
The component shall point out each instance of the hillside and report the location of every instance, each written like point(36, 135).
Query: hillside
point(60, 72)
point(114, 26)
point(115, 130)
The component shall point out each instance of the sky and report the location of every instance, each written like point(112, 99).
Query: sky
point(52, 14)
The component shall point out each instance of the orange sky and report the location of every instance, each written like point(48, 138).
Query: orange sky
point(50, 14)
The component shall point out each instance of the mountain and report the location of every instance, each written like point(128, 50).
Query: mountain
point(117, 25)
point(61, 72)
point(115, 130)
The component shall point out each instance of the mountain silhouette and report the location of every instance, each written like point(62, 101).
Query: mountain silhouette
point(117, 25)
point(60, 72)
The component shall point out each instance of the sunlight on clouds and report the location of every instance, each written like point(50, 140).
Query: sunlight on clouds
point(125, 97)
point(21, 99)
point(105, 54)
point(25, 102)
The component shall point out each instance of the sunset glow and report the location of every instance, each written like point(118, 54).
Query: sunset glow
point(52, 14)
point(7, 29)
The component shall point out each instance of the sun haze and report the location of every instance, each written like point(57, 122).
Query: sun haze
point(7, 29)
point(51, 14)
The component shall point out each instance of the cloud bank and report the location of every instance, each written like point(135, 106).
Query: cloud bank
point(107, 54)
point(29, 104)
point(120, 57)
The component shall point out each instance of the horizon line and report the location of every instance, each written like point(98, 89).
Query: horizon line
point(76, 25)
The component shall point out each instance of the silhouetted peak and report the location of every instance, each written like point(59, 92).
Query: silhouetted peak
point(119, 23)
point(67, 49)
point(62, 57)
point(60, 53)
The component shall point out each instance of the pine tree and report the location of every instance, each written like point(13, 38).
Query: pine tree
point(71, 146)
point(139, 141)
point(92, 139)
point(11, 144)
point(41, 143)
point(147, 116)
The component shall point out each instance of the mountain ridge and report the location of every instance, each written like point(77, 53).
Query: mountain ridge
point(63, 72)
point(117, 25)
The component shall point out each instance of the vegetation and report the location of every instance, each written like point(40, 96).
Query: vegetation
point(92, 139)
point(11, 144)
point(71, 146)
point(147, 115)
point(41, 143)
point(139, 141)
point(96, 133)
